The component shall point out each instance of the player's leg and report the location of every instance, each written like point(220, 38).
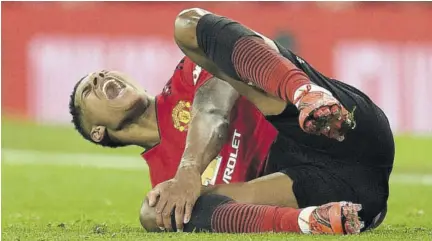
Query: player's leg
point(260, 191)
point(315, 184)
point(222, 45)
point(211, 41)
point(251, 207)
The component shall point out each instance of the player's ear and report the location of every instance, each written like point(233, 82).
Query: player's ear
point(97, 133)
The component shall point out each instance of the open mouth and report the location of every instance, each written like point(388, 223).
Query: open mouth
point(113, 88)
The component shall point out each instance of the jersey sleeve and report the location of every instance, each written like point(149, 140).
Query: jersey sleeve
point(193, 74)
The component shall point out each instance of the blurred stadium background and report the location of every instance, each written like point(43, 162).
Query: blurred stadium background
point(57, 186)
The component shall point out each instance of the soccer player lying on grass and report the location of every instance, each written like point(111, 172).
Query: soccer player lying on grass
point(263, 144)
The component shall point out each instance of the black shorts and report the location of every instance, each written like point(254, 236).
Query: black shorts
point(325, 170)
point(322, 175)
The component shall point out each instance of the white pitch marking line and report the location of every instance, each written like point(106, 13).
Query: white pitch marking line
point(22, 157)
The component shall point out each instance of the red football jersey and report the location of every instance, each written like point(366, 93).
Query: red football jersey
point(242, 157)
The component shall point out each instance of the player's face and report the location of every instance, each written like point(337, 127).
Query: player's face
point(108, 99)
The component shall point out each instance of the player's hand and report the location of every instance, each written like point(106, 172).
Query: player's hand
point(323, 114)
point(176, 196)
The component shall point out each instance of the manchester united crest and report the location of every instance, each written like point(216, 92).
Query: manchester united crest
point(181, 115)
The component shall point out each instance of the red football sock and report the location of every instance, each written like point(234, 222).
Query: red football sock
point(257, 62)
point(248, 218)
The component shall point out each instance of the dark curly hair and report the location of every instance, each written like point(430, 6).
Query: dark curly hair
point(75, 111)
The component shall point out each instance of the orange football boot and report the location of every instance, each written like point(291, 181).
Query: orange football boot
point(335, 218)
point(323, 114)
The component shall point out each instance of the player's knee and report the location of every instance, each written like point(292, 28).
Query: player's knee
point(148, 217)
point(185, 27)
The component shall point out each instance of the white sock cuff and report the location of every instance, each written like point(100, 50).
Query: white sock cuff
point(313, 88)
point(303, 219)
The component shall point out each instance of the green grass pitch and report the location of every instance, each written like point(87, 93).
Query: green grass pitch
point(52, 192)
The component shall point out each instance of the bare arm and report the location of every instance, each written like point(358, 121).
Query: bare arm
point(207, 132)
point(208, 128)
